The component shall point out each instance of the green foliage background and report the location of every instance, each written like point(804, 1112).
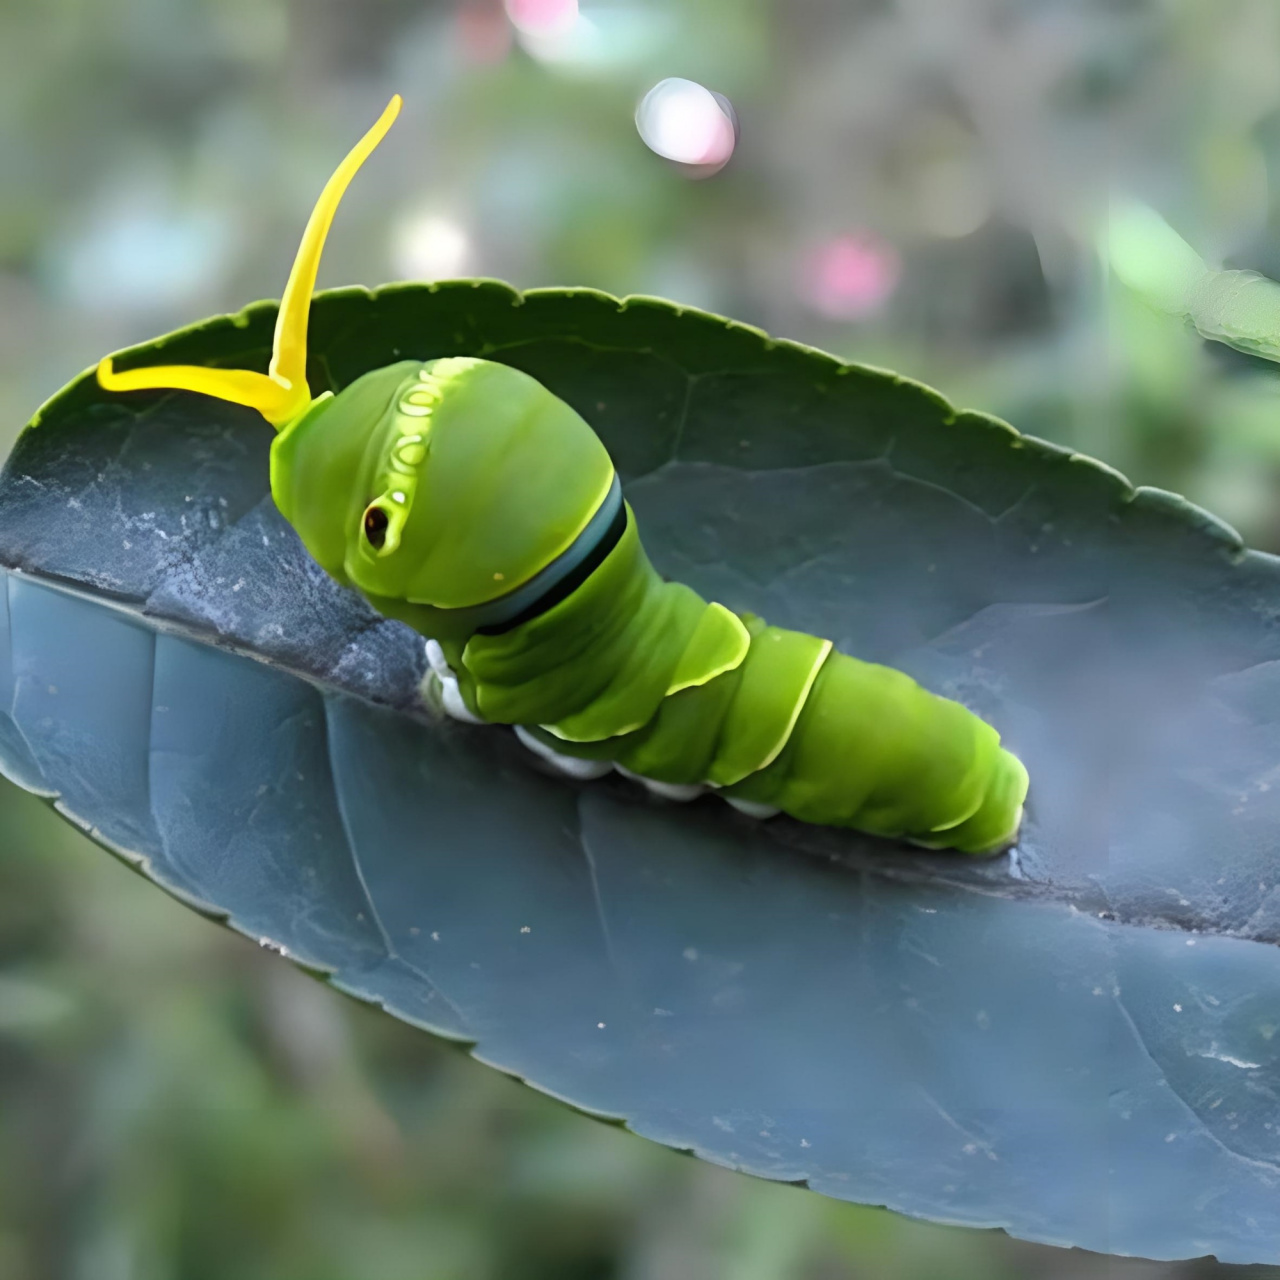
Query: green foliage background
point(175, 1103)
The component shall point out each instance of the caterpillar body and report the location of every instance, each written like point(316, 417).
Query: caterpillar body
point(462, 497)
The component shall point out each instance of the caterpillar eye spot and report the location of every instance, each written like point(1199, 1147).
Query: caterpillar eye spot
point(375, 527)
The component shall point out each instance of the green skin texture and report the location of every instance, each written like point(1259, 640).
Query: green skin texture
point(486, 478)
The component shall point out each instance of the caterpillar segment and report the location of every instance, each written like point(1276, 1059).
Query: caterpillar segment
point(463, 498)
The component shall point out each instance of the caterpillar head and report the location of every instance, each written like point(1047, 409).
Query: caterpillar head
point(448, 483)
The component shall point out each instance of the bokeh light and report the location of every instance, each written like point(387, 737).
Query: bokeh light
point(542, 17)
point(851, 276)
point(591, 45)
point(950, 198)
point(688, 123)
point(142, 253)
point(430, 246)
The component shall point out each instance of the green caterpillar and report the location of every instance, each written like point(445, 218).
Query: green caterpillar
point(460, 496)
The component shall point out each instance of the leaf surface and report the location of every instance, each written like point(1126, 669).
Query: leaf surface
point(1080, 1043)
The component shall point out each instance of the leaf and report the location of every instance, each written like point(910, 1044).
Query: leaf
point(1239, 308)
point(1078, 1044)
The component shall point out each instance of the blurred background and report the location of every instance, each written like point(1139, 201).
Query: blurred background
point(920, 184)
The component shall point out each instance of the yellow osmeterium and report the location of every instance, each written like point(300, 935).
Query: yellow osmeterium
point(281, 394)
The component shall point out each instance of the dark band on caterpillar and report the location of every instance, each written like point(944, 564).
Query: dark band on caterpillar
point(564, 575)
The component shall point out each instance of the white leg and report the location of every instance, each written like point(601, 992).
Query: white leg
point(753, 808)
point(570, 766)
point(437, 661)
point(667, 790)
point(454, 706)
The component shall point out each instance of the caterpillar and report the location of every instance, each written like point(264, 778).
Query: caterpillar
point(463, 498)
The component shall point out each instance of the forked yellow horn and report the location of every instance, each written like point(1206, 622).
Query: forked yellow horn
point(281, 394)
point(289, 354)
point(274, 400)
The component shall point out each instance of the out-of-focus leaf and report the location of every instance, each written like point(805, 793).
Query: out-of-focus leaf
point(1151, 257)
point(1079, 1044)
point(1239, 308)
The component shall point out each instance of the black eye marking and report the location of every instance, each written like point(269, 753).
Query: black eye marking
point(375, 527)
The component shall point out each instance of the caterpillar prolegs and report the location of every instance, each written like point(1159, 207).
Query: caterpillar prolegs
point(462, 497)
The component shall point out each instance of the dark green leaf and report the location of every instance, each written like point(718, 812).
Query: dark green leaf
point(1079, 1044)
